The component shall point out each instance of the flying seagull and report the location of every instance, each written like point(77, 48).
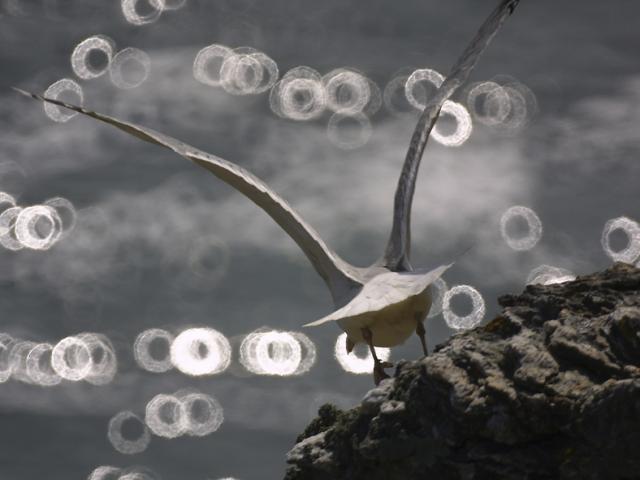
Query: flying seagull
point(383, 304)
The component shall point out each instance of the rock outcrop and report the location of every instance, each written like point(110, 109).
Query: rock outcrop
point(549, 389)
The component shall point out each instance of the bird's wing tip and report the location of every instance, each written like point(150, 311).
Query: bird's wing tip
point(35, 96)
point(319, 322)
point(22, 92)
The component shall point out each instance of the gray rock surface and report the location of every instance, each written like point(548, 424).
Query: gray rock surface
point(549, 389)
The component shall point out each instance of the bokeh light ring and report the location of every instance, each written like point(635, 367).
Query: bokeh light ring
point(248, 353)
point(214, 414)
point(278, 353)
point(421, 75)
point(394, 97)
point(523, 105)
point(6, 201)
point(310, 107)
point(207, 54)
point(60, 114)
point(271, 72)
point(119, 63)
point(143, 355)
point(130, 12)
point(631, 229)
point(187, 352)
point(375, 99)
point(351, 363)
point(308, 349)
point(465, 322)
point(273, 352)
point(7, 226)
point(156, 416)
point(71, 359)
point(534, 226)
point(464, 125)
point(104, 362)
point(80, 56)
point(235, 74)
point(122, 444)
point(347, 92)
point(489, 103)
point(34, 369)
point(25, 227)
point(18, 360)
point(300, 95)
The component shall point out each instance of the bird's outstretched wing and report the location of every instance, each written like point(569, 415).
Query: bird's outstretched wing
point(339, 275)
point(396, 255)
point(384, 290)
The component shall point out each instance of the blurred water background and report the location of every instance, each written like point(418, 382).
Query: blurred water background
point(160, 244)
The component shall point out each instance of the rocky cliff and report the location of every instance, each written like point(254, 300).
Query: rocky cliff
point(549, 389)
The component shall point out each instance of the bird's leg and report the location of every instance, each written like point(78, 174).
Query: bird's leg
point(420, 331)
point(378, 366)
point(350, 345)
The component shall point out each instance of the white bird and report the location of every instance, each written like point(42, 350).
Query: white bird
point(382, 304)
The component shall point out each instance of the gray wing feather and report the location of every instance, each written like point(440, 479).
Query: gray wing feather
point(337, 274)
point(396, 256)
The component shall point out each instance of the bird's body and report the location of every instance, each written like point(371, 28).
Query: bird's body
point(389, 304)
point(392, 325)
point(384, 303)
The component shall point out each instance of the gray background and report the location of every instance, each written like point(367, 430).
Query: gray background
point(142, 210)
